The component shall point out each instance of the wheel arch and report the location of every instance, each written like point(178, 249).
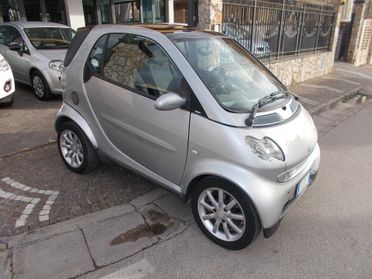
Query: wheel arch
point(33, 70)
point(66, 113)
point(194, 182)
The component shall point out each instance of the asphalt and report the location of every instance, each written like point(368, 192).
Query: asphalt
point(28, 123)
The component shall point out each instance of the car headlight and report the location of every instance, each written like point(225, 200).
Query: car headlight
point(56, 65)
point(4, 66)
point(265, 148)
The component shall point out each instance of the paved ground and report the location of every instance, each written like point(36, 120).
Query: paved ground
point(345, 79)
point(28, 125)
point(43, 169)
point(325, 235)
point(37, 190)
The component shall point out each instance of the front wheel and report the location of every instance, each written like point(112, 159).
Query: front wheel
point(75, 148)
point(40, 86)
point(225, 214)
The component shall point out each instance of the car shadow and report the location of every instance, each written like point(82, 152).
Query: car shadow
point(24, 98)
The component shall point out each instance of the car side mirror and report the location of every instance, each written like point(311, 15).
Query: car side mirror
point(169, 101)
point(15, 47)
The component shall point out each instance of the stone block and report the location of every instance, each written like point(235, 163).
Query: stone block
point(61, 256)
point(149, 197)
point(175, 207)
point(117, 238)
point(161, 223)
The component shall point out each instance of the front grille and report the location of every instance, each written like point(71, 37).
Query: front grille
point(267, 119)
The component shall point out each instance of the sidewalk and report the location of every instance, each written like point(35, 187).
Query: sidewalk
point(94, 241)
point(84, 246)
point(344, 82)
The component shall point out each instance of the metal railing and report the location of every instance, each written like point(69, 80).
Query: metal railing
point(277, 29)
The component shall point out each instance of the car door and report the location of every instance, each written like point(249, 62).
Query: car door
point(18, 60)
point(130, 73)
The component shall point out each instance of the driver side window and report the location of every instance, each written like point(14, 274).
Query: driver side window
point(141, 65)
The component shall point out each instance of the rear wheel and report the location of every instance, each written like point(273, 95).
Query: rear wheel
point(225, 213)
point(40, 86)
point(75, 148)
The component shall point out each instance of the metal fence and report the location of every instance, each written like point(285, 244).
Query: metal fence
point(273, 30)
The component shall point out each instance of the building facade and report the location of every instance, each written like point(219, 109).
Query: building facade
point(79, 13)
point(355, 38)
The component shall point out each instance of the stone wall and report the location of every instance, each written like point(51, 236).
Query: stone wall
point(210, 13)
point(298, 69)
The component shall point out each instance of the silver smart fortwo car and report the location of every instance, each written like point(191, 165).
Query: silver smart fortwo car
point(35, 52)
point(194, 112)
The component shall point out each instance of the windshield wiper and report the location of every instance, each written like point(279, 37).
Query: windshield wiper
point(263, 102)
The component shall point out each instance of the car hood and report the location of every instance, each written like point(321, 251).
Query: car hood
point(54, 54)
point(297, 137)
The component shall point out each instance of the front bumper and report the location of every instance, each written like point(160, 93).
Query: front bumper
point(7, 88)
point(277, 198)
point(268, 232)
point(6, 99)
point(54, 81)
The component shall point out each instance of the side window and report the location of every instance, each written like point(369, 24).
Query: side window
point(4, 35)
point(140, 64)
point(14, 36)
point(96, 55)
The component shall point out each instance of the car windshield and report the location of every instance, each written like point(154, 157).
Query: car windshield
point(235, 78)
point(50, 37)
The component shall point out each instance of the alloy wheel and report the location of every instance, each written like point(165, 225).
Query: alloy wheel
point(38, 86)
point(71, 148)
point(221, 214)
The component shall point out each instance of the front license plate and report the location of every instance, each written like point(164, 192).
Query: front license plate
point(302, 185)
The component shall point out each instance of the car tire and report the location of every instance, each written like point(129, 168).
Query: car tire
point(239, 223)
point(40, 86)
point(75, 148)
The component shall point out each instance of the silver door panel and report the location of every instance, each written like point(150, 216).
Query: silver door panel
point(155, 139)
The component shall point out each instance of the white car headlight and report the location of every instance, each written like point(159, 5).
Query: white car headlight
point(56, 65)
point(265, 148)
point(4, 66)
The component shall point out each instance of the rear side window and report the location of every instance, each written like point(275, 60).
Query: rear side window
point(97, 54)
point(75, 44)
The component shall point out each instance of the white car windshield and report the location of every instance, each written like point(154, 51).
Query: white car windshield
point(50, 37)
point(235, 78)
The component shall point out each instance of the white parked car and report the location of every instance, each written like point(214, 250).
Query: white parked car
point(6, 83)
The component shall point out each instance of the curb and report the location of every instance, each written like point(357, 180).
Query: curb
point(76, 223)
point(331, 103)
point(28, 149)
